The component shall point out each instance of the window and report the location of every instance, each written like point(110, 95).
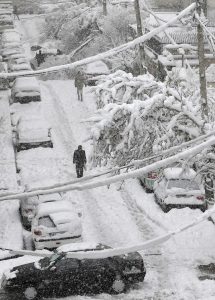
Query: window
point(185, 184)
point(46, 221)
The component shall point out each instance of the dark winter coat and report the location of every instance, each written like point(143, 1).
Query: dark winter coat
point(79, 81)
point(79, 158)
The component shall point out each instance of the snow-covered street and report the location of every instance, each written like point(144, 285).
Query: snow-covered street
point(119, 215)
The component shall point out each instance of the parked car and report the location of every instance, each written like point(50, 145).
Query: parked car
point(94, 71)
point(29, 205)
point(55, 223)
point(59, 275)
point(25, 90)
point(18, 67)
point(178, 188)
point(148, 181)
point(32, 133)
point(45, 53)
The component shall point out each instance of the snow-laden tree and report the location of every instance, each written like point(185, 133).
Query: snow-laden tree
point(72, 25)
point(135, 129)
point(122, 87)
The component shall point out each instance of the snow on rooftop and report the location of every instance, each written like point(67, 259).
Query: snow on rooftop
point(165, 16)
point(175, 173)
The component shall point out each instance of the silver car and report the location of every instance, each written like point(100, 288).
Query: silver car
point(178, 188)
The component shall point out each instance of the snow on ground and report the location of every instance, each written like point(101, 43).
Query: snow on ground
point(127, 216)
point(186, 251)
point(10, 227)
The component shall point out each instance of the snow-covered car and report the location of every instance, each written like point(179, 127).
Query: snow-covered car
point(10, 35)
point(178, 188)
point(32, 133)
point(22, 66)
point(59, 275)
point(45, 52)
point(7, 52)
point(29, 205)
point(148, 181)
point(25, 90)
point(94, 71)
point(55, 224)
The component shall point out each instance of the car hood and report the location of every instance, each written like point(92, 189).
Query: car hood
point(24, 273)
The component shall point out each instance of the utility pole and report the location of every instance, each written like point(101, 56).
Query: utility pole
point(201, 6)
point(139, 33)
point(104, 4)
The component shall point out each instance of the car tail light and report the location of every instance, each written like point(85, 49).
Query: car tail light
point(200, 198)
point(37, 232)
point(152, 175)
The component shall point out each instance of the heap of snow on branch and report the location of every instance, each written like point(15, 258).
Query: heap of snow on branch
point(138, 116)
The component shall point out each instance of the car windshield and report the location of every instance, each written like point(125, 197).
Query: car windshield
point(50, 261)
point(46, 221)
point(184, 184)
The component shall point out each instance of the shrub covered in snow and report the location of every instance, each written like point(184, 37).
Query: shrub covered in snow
point(165, 114)
point(121, 87)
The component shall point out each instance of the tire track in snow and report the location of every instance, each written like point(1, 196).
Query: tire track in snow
point(157, 265)
point(59, 118)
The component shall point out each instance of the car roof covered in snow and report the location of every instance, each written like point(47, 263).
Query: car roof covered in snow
point(33, 124)
point(97, 67)
point(10, 35)
point(20, 67)
point(63, 217)
point(47, 208)
point(176, 173)
point(50, 197)
point(26, 84)
point(73, 247)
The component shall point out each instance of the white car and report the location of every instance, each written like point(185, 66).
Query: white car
point(32, 133)
point(25, 89)
point(29, 205)
point(55, 224)
point(179, 188)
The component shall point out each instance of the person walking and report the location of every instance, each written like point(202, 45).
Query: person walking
point(15, 12)
point(79, 159)
point(40, 58)
point(79, 84)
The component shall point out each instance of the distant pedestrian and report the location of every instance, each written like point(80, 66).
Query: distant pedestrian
point(40, 58)
point(15, 12)
point(79, 84)
point(79, 159)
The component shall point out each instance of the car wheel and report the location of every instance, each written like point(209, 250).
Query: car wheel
point(118, 285)
point(30, 293)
